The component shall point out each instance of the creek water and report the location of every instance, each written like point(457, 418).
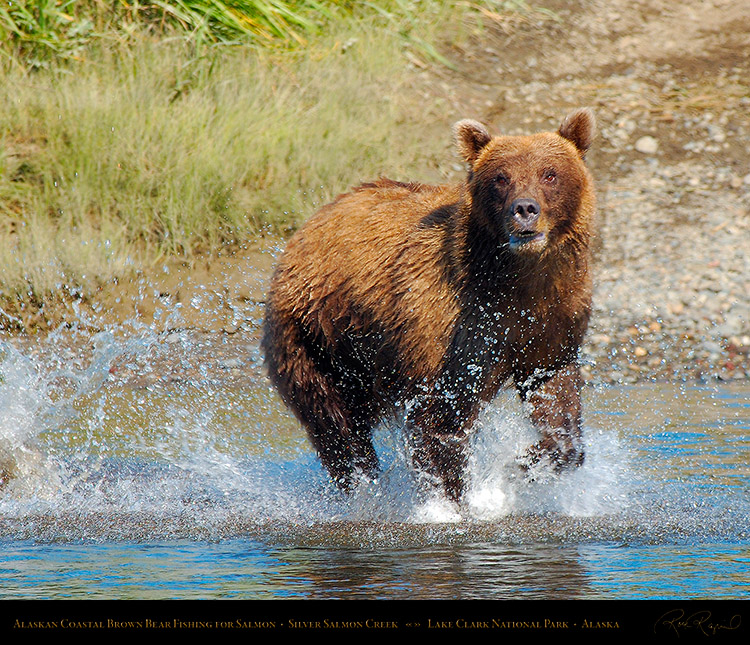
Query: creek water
point(196, 488)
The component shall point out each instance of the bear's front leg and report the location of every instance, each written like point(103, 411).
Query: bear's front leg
point(437, 427)
point(554, 406)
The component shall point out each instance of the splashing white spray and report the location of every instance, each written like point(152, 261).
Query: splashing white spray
point(78, 441)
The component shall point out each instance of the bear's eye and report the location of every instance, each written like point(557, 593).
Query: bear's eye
point(549, 176)
point(502, 180)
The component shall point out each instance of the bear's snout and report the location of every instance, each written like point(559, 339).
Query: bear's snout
point(525, 213)
point(525, 230)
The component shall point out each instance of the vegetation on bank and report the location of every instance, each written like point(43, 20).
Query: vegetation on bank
point(131, 131)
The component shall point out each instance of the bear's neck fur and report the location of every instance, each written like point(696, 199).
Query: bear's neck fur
point(518, 299)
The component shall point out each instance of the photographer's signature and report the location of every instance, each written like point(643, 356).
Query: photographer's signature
point(679, 622)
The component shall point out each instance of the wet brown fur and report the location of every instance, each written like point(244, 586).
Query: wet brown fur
point(409, 296)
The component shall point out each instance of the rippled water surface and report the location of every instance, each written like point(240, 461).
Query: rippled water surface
point(193, 489)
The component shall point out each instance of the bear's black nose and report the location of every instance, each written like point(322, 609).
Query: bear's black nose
point(525, 212)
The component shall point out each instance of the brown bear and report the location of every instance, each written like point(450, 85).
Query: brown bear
point(427, 299)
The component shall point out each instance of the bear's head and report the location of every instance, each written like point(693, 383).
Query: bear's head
point(532, 193)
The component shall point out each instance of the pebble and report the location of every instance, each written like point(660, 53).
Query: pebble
point(647, 145)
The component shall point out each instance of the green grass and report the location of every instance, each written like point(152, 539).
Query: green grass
point(38, 33)
point(134, 132)
point(41, 31)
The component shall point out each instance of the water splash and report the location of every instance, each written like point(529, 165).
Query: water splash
point(500, 489)
point(99, 444)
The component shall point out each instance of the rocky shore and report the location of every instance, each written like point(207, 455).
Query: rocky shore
point(672, 280)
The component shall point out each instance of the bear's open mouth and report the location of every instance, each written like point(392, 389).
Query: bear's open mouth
point(525, 237)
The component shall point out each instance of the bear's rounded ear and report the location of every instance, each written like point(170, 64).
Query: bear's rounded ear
point(579, 128)
point(471, 136)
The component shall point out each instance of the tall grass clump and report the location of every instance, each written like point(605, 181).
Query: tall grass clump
point(41, 31)
point(37, 32)
point(151, 153)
